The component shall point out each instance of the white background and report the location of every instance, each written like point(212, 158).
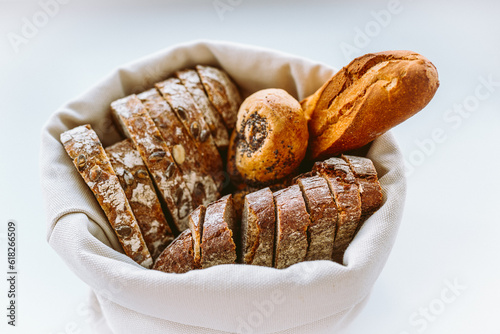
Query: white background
point(451, 227)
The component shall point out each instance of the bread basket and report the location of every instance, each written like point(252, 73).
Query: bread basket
point(309, 297)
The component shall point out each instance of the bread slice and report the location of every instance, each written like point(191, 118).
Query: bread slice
point(91, 161)
point(178, 257)
point(323, 212)
point(258, 227)
point(192, 82)
point(139, 189)
point(345, 191)
point(134, 119)
point(196, 219)
point(292, 221)
point(217, 246)
point(191, 117)
point(184, 150)
point(222, 92)
point(369, 187)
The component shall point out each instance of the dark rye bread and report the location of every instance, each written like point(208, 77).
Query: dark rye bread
point(258, 228)
point(196, 219)
point(140, 192)
point(222, 92)
point(85, 149)
point(190, 115)
point(292, 221)
point(323, 212)
point(367, 180)
point(132, 116)
point(217, 245)
point(184, 150)
point(192, 82)
point(345, 191)
point(178, 257)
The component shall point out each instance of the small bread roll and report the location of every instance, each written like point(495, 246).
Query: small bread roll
point(271, 136)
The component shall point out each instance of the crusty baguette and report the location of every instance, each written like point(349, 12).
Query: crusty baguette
point(369, 187)
point(196, 219)
point(135, 121)
point(190, 115)
point(185, 152)
point(292, 221)
point(345, 191)
point(258, 228)
point(193, 84)
point(372, 94)
point(139, 189)
point(217, 246)
point(323, 211)
point(222, 92)
point(91, 161)
point(178, 257)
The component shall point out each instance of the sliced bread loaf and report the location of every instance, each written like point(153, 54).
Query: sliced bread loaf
point(178, 257)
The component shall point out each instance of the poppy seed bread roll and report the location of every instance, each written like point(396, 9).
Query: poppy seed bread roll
point(271, 136)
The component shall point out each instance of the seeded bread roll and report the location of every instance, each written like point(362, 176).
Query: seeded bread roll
point(89, 158)
point(271, 137)
point(323, 212)
point(185, 152)
point(217, 246)
point(139, 189)
point(192, 82)
point(222, 92)
point(258, 228)
point(191, 117)
point(345, 191)
point(292, 221)
point(132, 116)
point(196, 219)
point(363, 100)
point(178, 257)
point(369, 187)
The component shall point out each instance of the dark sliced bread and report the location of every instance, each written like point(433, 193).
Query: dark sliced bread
point(345, 191)
point(178, 257)
point(323, 212)
point(292, 221)
point(258, 228)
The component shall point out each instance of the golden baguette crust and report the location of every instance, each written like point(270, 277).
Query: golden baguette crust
point(372, 94)
point(196, 219)
point(134, 119)
point(91, 161)
point(178, 257)
point(140, 192)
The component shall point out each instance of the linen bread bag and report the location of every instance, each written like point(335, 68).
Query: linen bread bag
point(308, 297)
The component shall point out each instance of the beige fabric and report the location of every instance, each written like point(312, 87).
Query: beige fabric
point(310, 297)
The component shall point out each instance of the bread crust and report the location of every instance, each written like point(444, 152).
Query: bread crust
point(345, 191)
point(258, 228)
point(372, 94)
point(196, 219)
point(136, 182)
point(85, 149)
point(183, 104)
point(323, 212)
point(185, 151)
point(193, 84)
point(139, 126)
point(271, 137)
point(292, 221)
point(217, 246)
point(178, 257)
point(222, 92)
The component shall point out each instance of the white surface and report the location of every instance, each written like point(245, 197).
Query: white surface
point(450, 227)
